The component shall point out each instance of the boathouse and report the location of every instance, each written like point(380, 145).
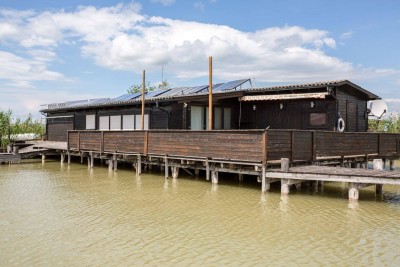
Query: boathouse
point(328, 106)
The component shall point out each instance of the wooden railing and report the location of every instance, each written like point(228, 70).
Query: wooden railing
point(239, 145)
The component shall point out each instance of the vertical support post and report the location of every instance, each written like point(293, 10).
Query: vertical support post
point(292, 146)
point(314, 146)
point(263, 180)
point(69, 157)
point(102, 142)
point(139, 165)
point(210, 97)
point(391, 165)
point(378, 165)
point(285, 164)
point(353, 191)
point(207, 170)
point(285, 189)
point(175, 172)
point(196, 172)
point(88, 161)
point(91, 160)
point(214, 177)
point(143, 93)
point(62, 157)
point(166, 167)
point(79, 141)
point(43, 158)
point(115, 162)
point(110, 164)
point(146, 143)
point(240, 177)
point(366, 162)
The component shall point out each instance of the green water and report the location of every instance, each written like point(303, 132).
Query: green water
point(53, 215)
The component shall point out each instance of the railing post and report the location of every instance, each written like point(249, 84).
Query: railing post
point(292, 147)
point(264, 148)
point(102, 142)
point(79, 141)
point(314, 146)
point(146, 143)
point(67, 140)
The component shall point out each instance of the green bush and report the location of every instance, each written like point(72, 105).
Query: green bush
point(390, 125)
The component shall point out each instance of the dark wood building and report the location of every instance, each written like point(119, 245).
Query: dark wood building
point(330, 106)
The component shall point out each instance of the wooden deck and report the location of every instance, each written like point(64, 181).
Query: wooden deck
point(337, 174)
point(256, 146)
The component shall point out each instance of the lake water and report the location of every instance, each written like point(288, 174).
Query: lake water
point(53, 215)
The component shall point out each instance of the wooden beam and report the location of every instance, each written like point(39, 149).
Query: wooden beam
point(332, 178)
point(143, 96)
point(210, 97)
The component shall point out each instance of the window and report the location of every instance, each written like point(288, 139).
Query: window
point(104, 123)
point(138, 122)
point(115, 122)
point(217, 118)
point(317, 119)
point(90, 122)
point(227, 118)
point(128, 122)
point(197, 118)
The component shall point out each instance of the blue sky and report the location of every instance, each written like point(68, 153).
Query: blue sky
point(55, 51)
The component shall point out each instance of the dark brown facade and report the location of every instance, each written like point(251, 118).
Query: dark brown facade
point(286, 107)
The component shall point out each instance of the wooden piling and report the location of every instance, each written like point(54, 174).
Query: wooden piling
point(175, 172)
point(263, 180)
point(166, 174)
point(115, 162)
point(139, 165)
point(391, 165)
point(69, 157)
point(285, 186)
point(207, 170)
point(353, 191)
point(43, 158)
point(285, 164)
point(214, 177)
point(378, 165)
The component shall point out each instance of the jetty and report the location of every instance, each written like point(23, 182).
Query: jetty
point(287, 156)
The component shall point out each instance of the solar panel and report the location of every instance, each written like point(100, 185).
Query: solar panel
point(126, 97)
point(97, 101)
point(194, 90)
point(230, 85)
point(156, 93)
point(175, 91)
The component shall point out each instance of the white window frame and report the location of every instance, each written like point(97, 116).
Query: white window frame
point(91, 122)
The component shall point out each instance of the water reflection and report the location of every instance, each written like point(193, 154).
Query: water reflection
point(53, 217)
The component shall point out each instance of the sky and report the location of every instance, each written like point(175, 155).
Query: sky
point(57, 51)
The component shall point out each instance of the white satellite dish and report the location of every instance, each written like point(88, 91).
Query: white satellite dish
point(378, 108)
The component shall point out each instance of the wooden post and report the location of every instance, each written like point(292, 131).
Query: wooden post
point(166, 167)
point(110, 164)
point(240, 177)
point(115, 162)
point(207, 170)
point(210, 97)
point(91, 160)
point(214, 177)
point(263, 182)
point(391, 165)
point(69, 157)
point(143, 96)
point(285, 164)
point(43, 158)
point(175, 172)
point(314, 146)
point(378, 165)
point(285, 186)
point(139, 165)
point(366, 162)
point(88, 161)
point(62, 157)
point(353, 191)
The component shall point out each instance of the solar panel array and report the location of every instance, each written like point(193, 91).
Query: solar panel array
point(161, 93)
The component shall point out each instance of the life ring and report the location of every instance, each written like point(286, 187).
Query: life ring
point(341, 125)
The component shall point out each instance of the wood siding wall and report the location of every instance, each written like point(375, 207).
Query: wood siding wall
point(293, 115)
point(352, 108)
point(58, 131)
point(246, 146)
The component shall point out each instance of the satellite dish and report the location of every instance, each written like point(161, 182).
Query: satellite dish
point(378, 108)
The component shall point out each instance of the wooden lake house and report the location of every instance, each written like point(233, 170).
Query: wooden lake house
point(327, 106)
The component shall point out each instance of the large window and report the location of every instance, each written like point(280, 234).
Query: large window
point(90, 122)
point(128, 122)
point(138, 122)
point(199, 118)
point(317, 119)
point(115, 122)
point(104, 123)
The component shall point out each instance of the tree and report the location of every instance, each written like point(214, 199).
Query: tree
point(137, 88)
point(5, 124)
point(390, 125)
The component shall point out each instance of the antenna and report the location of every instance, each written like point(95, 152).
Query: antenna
point(378, 108)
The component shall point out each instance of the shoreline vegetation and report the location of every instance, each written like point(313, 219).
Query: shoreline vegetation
point(11, 128)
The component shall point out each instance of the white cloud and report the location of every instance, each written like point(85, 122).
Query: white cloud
point(346, 35)
point(122, 38)
point(164, 2)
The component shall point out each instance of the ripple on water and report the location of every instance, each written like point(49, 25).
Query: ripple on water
point(75, 216)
